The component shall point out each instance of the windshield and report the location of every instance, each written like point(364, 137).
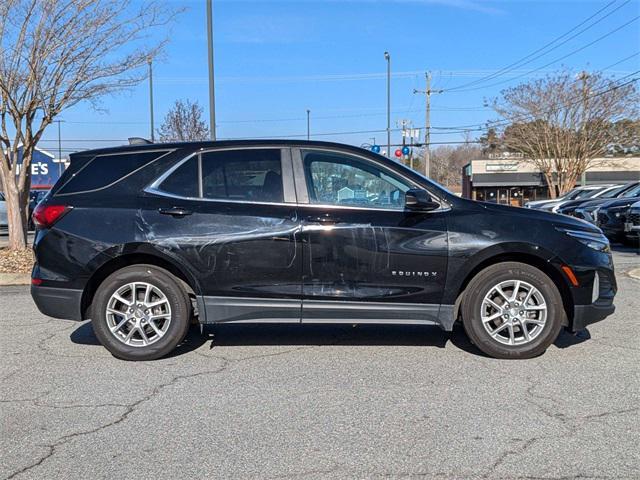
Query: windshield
point(634, 192)
point(590, 193)
point(613, 192)
point(581, 193)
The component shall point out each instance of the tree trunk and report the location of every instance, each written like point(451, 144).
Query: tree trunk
point(15, 218)
point(550, 184)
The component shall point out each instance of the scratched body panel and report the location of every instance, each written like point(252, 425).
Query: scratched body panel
point(234, 248)
point(375, 256)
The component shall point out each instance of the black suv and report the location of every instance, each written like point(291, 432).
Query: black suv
point(143, 239)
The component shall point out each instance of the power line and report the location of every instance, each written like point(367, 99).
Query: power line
point(542, 49)
point(578, 99)
point(553, 61)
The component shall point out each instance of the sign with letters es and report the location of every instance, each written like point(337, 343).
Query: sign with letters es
point(45, 168)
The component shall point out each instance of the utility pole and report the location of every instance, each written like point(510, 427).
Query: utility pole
point(308, 124)
point(212, 91)
point(387, 57)
point(150, 63)
point(427, 122)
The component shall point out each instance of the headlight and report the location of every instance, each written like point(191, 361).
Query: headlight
point(596, 241)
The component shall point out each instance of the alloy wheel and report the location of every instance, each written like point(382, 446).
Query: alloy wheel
point(514, 312)
point(138, 314)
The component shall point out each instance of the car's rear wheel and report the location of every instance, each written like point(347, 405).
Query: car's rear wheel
point(140, 312)
point(512, 310)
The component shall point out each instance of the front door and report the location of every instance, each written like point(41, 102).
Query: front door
point(365, 259)
point(229, 217)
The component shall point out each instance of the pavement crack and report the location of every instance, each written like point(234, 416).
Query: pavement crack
point(129, 409)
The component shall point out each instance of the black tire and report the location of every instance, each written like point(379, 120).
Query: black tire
point(483, 283)
point(174, 293)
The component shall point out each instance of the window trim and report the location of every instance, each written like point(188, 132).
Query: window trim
point(73, 175)
point(301, 182)
point(287, 186)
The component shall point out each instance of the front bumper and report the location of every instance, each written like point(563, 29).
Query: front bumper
point(584, 315)
point(62, 303)
point(603, 288)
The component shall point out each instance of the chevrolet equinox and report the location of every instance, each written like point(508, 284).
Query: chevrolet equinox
point(146, 239)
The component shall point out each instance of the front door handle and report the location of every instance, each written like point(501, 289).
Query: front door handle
point(323, 219)
point(175, 212)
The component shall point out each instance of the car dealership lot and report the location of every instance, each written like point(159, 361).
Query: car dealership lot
point(319, 402)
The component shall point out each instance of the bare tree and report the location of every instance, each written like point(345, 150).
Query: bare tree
point(563, 122)
point(184, 123)
point(447, 161)
point(53, 55)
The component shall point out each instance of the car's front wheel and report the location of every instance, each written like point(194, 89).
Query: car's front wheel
point(140, 312)
point(512, 310)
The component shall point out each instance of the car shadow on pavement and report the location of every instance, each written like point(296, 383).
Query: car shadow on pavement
point(297, 334)
point(568, 339)
point(84, 335)
point(230, 335)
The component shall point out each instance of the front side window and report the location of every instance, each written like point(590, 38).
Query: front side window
point(338, 179)
point(246, 175)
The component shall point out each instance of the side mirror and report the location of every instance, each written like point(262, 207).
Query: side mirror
point(419, 200)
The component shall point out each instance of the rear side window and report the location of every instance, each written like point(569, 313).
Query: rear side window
point(183, 181)
point(105, 170)
point(249, 175)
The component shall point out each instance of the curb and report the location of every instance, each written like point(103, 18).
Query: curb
point(15, 279)
point(635, 273)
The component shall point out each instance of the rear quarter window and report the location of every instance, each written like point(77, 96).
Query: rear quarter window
point(104, 170)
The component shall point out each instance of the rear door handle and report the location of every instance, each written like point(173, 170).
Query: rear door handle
point(175, 212)
point(323, 219)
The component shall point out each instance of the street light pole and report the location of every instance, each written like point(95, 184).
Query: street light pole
point(212, 93)
point(387, 57)
point(308, 124)
point(150, 62)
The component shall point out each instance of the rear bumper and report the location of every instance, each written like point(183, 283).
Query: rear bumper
point(58, 302)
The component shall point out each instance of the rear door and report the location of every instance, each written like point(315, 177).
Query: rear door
point(230, 216)
point(366, 259)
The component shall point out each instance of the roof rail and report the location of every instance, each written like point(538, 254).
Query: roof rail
point(139, 141)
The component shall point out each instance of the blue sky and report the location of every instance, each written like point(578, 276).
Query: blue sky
point(275, 59)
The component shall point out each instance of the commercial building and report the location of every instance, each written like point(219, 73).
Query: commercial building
point(509, 179)
point(45, 168)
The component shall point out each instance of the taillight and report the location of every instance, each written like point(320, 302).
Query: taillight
point(44, 216)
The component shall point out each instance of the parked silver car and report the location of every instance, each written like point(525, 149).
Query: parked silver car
point(4, 224)
point(589, 191)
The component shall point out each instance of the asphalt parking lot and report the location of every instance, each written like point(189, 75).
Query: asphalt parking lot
point(319, 402)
